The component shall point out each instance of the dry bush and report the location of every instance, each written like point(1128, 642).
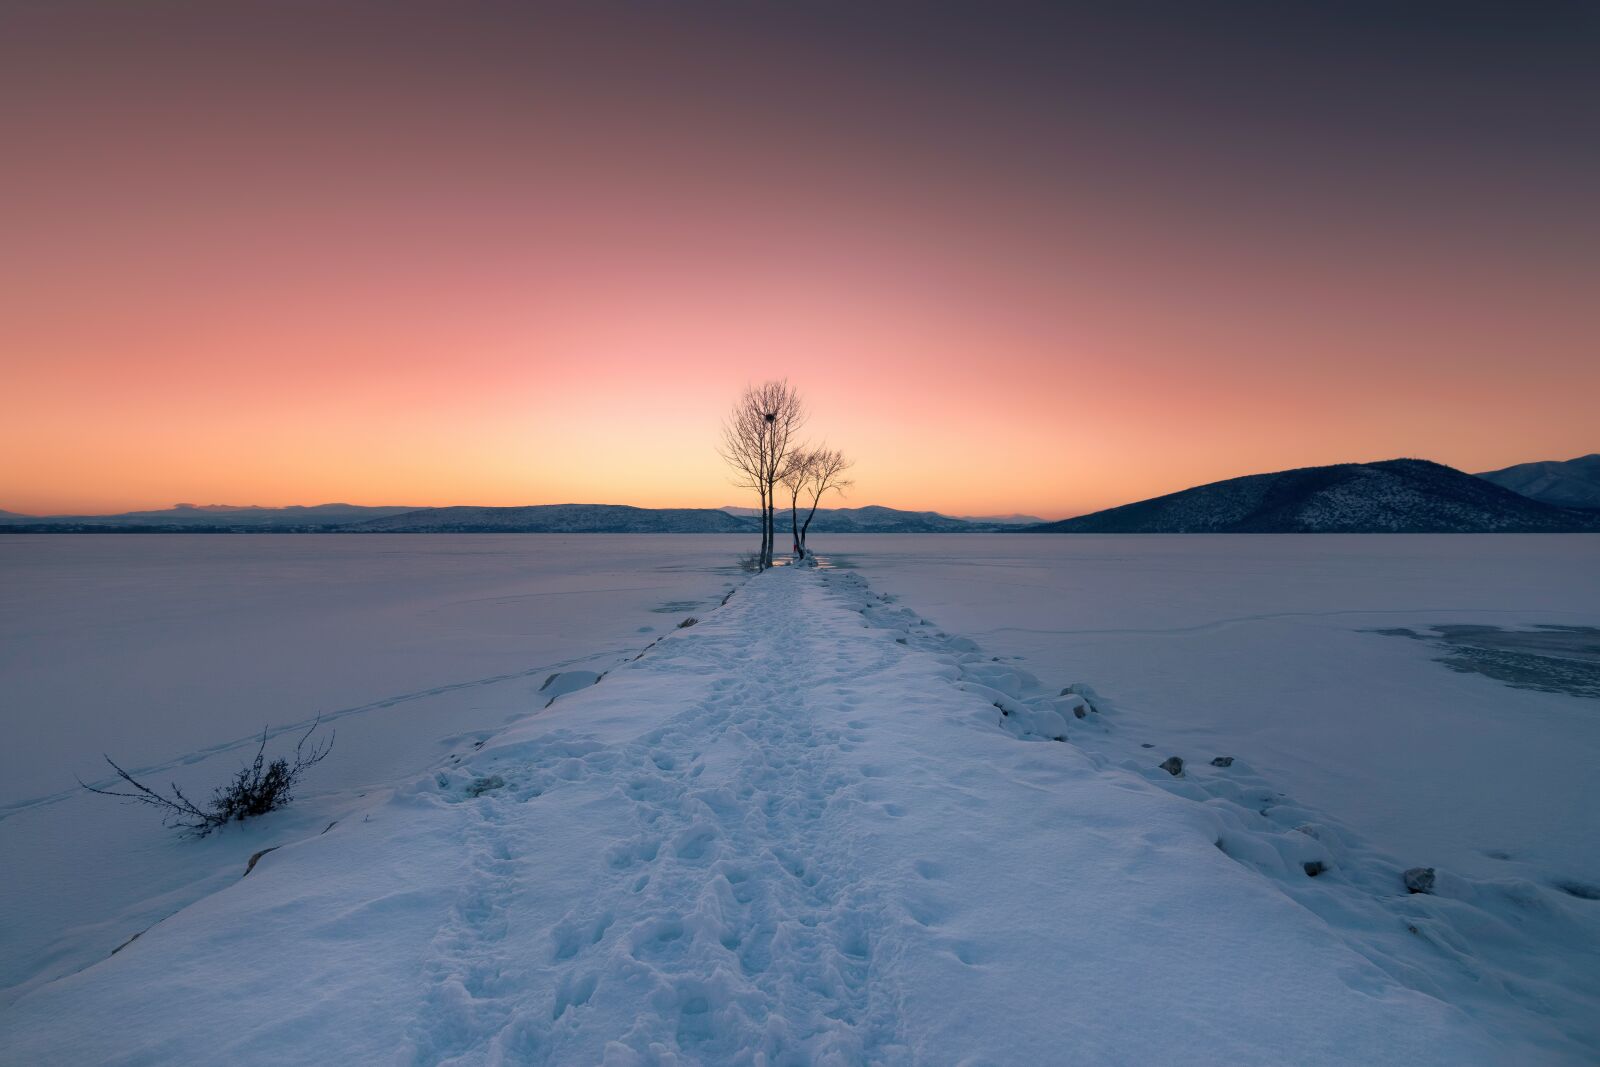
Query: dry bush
point(256, 789)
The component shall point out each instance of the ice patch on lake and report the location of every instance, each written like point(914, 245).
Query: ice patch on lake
point(1548, 658)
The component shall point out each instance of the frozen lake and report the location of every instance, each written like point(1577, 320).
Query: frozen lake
point(153, 647)
point(168, 651)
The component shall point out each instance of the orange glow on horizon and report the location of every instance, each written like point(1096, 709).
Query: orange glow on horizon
point(298, 294)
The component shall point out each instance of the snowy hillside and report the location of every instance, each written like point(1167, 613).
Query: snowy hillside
point(557, 518)
point(875, 519)
point(1572, 483)
point(1394, 496)
point(219, 516)
point(815, 829)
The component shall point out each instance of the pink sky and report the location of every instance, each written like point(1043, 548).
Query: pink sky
point(252, 260)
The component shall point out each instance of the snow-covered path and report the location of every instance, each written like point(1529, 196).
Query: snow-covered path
point(795, 833)
point(730, 879)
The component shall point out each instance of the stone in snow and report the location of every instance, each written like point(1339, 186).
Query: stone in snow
point(1418, 880)
point(484, 785)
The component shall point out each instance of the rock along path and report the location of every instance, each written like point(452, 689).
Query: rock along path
point(800, 832)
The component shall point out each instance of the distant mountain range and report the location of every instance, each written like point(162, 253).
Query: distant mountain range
point(541, 518)
point(556, 518)
point(876, 519)
point(1002, 520)
point(1394, 496)
point(1572, 483)
point(225, 517)
point(616, 518)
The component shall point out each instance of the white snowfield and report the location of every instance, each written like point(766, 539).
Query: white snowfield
point(812, 829)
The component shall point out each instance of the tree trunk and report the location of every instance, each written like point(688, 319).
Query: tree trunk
point(766, 529)
point(809, 516)
point(794, 523)
point(761, 556)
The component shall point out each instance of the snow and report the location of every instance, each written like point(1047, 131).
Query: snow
point(171, 652)
point(1264, 647)
point(781, 836)
point(831, 822)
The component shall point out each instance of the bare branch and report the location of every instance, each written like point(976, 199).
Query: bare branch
point(824, 473)
point(256, 788)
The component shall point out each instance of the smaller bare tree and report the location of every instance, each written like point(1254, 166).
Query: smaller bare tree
point(256, 789)
point(794, 477)
point(824, 472)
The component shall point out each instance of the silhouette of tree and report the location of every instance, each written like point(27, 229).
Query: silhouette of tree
point(758, 440)
point(823, 472)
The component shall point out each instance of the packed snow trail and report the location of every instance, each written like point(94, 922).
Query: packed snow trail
point(782, 836)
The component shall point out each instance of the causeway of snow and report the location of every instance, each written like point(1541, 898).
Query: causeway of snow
point(814, 829)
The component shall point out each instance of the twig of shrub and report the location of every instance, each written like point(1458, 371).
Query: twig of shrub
point(256, 789)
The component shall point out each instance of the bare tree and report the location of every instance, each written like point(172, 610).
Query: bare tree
point(784, 414)
point(743, 448)
point(757, 441)
point(824, 471)
point(794, 477)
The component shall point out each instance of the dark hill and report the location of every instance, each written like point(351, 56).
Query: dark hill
point(1571, 483)
point(1394, 496)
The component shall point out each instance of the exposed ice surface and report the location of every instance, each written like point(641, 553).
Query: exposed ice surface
point(842, 823)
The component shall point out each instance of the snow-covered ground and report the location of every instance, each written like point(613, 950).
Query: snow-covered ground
point(786, 835)
point(1264, 647)
point(817, 828)
point(171, 652)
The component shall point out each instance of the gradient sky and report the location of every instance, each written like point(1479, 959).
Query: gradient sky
point(1017, 258)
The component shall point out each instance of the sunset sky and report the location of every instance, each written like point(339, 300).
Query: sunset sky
point(1016, 259)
